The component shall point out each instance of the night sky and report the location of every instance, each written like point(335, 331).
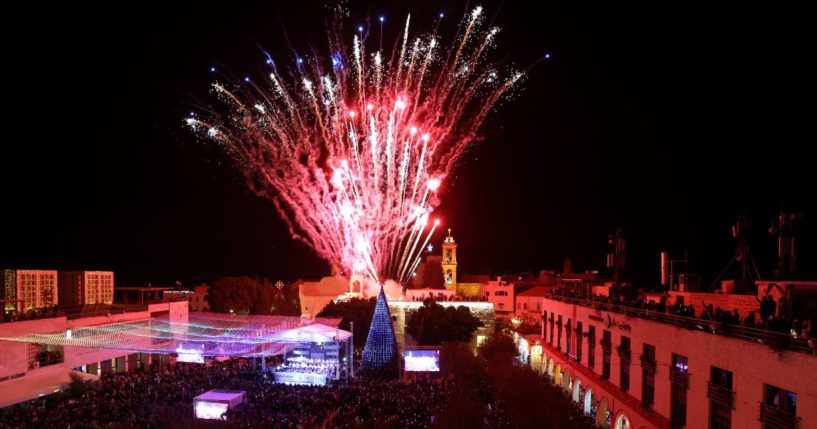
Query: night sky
point(667, 120)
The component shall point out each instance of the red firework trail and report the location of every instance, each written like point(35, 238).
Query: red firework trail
point(352, 149)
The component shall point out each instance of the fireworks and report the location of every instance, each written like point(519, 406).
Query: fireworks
point(354, 146)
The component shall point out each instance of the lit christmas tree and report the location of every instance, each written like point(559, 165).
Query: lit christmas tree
point(380, 352)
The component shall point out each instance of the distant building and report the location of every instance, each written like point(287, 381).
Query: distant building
point(23, 290)
point(529, 304)
point(30, 369)
point(501, 293)
point(197, 299)
point(582, 282)
point(315, 295)
point(85, 287)
point(142, 294)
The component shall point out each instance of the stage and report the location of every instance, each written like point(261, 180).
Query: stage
point(301, 378)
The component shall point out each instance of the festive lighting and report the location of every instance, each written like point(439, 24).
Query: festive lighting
point(206, 334)
point(353, 157)
point(380, 351)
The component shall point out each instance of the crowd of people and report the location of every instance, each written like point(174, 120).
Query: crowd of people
point(163, 398)
point(441, 297)
point(770, 315)
point(304, 364)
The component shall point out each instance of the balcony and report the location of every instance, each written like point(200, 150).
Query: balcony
point(775, 418)
point(773, 339)
point(648, 363)
point(679, 378)
point(623, 353)
point(721, 395)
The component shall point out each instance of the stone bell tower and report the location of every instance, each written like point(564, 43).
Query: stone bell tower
point(449, 262)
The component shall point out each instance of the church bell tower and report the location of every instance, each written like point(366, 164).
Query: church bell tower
point(449, 262)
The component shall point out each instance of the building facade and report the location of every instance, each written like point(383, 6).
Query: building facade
point(501, 293)
point(530, 303)
point(197, 298)
point(314, 295)
point(24, 290)
point(85, 287)
point(633, 368)
point(449, 262)
point(29, 370)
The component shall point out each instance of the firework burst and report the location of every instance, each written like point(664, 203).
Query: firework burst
point(354, 146)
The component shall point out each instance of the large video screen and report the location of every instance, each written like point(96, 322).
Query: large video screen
point(190, 353)
point(422, 360)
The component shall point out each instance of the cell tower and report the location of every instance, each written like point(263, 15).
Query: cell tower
point(784, 229)
point(742, 266)
point(616, 256)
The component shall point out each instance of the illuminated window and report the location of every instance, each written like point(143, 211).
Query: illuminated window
point(679, 378)
point(779, 408)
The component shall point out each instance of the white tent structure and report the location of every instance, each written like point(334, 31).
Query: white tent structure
point(315, 333)
point(213, 404)
point(215, 334)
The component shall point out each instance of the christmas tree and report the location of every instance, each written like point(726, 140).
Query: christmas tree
point(380, 352)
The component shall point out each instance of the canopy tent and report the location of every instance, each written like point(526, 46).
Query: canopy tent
point(315, 333)
point(213, 334)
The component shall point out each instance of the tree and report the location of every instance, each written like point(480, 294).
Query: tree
point(433, 324)
point(457, 362)
point(380, 352)
point(77, 386)
point(355, 310)
point(241, 295)
point(285, 305)
point(265, 296)
point(498, 348)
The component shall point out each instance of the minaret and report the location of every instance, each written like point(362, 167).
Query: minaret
point(449, 262)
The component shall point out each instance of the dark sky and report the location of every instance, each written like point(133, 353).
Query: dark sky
point(668, 120)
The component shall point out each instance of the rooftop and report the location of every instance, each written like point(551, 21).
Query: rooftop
point(539, 292)
point(774, 339)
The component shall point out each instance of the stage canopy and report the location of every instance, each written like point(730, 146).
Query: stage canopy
point(315, 333)
point(211, 334)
